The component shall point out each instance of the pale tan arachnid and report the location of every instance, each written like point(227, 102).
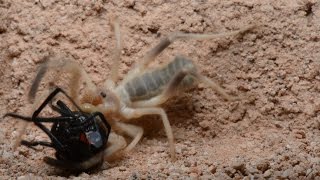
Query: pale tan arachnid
point(141, 91)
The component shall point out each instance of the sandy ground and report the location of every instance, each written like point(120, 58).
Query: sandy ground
point(274, 132)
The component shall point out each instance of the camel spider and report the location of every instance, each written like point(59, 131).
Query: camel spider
point(141, 91)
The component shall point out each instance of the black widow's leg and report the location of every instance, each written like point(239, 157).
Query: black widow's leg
point(73, 102)
point(54, 107)
point(61, 108)
point(54, 140)
point(48, 100)
point(39, 119)
point(58, 108)
point(36, 143)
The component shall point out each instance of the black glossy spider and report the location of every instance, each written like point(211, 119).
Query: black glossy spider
point(79, 138)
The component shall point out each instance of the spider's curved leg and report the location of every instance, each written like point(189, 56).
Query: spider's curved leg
point(74, 69)
point(117, 51)
point(130, 113)
point(116, 143)
point(135, 132)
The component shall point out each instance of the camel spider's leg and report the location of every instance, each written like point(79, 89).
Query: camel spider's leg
point(117, 52)
point(21, 130)
point(131, 130)
point(73, 68)
point(116, 142)
point(110, 84)
point(130, 113)
point(208, 82)
point(164, 43)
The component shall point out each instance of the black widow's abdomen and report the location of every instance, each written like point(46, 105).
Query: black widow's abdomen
point(82, 137)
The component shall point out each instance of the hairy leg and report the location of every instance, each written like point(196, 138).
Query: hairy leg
point(117, 51)
point(68, 66)
point(208, 82)
point(130, 113)
point(116, 143)
point(131, 130)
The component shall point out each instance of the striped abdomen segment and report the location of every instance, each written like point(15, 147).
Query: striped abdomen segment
point(152, 83)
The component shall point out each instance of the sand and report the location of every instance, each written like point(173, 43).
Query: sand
point(272, 132)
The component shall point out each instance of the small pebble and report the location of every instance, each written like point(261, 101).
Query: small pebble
point(263, 166)
point(239, 165)
point(122, 168)
point(267, 174)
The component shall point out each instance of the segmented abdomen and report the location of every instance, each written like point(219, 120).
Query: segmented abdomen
point(152, 83)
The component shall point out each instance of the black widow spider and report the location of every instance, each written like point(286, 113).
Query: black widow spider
point(79, 138)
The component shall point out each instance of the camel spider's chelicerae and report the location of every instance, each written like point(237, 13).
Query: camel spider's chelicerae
point(141, 91)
